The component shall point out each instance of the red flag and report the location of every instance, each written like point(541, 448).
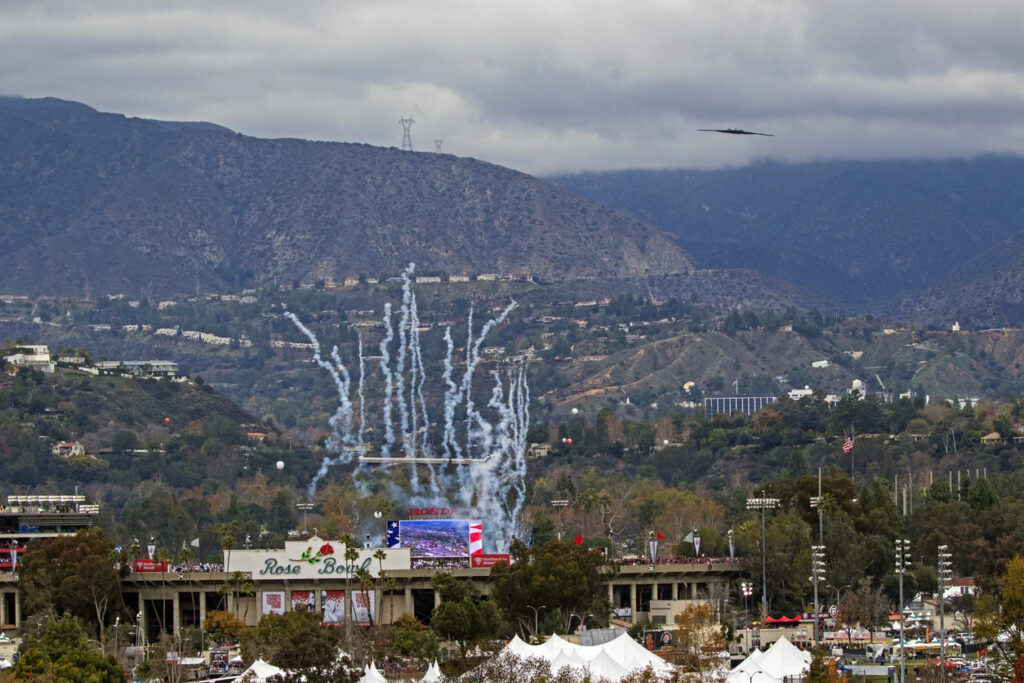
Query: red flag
point(659, 536)
point(578, 540)
point(848, 445)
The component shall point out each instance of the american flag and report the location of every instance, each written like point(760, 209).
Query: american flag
point(848, 445)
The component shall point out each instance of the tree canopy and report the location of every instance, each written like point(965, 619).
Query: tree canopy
point(556, 578)
point(62, 653)
point(463, 616)
point(76, 574)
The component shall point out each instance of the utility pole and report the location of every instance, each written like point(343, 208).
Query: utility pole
point(902, 562)
point(406, 133)
point(763, 504)
point(945, 571)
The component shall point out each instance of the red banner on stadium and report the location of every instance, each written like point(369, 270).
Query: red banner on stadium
point(149, 565)
point(432, 512)
point(485, 561)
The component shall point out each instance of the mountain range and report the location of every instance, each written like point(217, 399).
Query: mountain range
point(929, 240)
point(102, 202)
point(95, 203)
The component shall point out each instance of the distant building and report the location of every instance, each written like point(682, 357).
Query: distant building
point(428, 280)
point(26, 518)
point(458, 278)
point(32, 356)
point(140, 368)
point(68, 449)
point(748, 405)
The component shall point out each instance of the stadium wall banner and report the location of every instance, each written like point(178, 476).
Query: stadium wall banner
point(489, 560)
point(333, 607)
point(303, 601)
point(144, 565)
point(363, 605)
point(273, 602)
point(313, 558)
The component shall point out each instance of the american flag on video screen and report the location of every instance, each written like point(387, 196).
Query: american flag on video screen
point(394, 538)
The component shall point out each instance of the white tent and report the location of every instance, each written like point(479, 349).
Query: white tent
point(603, 666)
point(372, 675)
point(632, 655)
point(611, 660)
point(260, 671)
point(774, 664)
point(433, 674)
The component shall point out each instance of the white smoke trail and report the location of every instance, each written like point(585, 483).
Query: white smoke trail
point(385, 369)
point(403, 324)
point(341, 422)
point(362, 396)
point(492, 487)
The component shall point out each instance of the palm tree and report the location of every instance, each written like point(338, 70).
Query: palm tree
point(351, 555)
point(380, 555)
point(185, 557)
point(365, 580)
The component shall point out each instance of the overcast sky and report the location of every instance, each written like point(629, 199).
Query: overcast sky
point(548, 86)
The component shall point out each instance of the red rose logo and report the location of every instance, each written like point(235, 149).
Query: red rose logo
point(326, 549)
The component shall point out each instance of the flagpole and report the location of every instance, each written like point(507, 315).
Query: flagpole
point(853, 461)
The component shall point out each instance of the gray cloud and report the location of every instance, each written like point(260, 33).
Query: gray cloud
point(547, 87)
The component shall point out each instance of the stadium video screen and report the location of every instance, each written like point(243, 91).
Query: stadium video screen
point(436, 537)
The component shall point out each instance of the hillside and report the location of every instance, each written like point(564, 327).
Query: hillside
point(132, 429)
point(862, 234)
point(100, 203)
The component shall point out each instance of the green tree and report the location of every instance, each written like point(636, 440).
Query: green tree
point(463, 616)
point(413, 639)
point(62, 653)
point(300, 644)
point(557, 577)
point(76, 574)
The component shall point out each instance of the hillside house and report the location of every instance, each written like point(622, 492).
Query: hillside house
point(140, 368)
point(32, 356)
point(68, 449)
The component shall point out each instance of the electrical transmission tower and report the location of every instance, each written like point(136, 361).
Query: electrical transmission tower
point(406, 136)
point(437, 144)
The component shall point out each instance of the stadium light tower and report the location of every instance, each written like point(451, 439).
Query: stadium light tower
point(945, 567)
point(763, 504)
point(902, 562)
point(560, 503)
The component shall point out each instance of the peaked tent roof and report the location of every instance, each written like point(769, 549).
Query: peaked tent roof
point(262, 670)
point(777, 662)
point(633, 655)
point(603, 666)
point(372, 675)
point(433, 674)
point(615, 658)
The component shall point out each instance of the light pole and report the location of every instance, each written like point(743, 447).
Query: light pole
point(305, 507)
point(818, 558)
point(536, 624)
point(560, 503)
point(763, 504)
point(902, 562)
point(945, 572)
point(748, 589)
point(817, 574)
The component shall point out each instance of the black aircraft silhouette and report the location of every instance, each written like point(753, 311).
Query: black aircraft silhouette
point(733, 131)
